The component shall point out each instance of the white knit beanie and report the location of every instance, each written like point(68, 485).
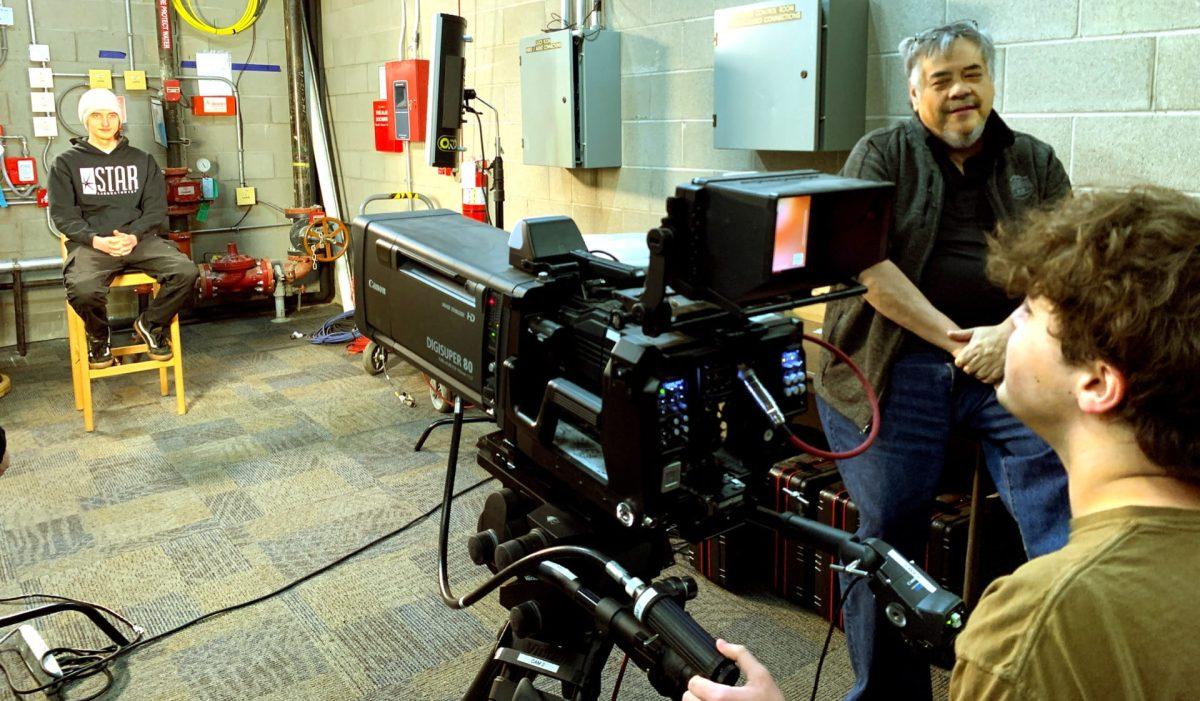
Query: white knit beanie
point(97, 100)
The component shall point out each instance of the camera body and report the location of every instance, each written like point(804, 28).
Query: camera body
point(615, 388)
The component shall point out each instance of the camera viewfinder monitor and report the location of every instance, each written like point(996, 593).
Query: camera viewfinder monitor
point(444, 116)
point(767, 235)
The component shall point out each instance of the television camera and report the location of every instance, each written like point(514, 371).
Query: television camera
point(633, 405)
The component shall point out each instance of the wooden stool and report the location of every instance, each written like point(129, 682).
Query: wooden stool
point(82, 375)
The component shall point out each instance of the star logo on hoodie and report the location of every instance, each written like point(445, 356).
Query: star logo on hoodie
point(87, 178)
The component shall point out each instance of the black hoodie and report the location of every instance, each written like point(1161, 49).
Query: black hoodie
point(93, 192)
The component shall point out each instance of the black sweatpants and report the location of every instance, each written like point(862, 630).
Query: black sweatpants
point(88, 272)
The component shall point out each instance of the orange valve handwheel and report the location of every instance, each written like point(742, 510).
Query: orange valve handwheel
point(327, 239)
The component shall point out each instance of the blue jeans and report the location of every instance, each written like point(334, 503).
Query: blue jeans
point(894, 482)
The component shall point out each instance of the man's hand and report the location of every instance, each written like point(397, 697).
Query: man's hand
point(759, 685)
point(983, 355)
point(128, 241)
point(119, 244)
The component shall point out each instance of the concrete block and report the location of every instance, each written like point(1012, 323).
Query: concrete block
point(62, 46)
point(637, 220)
point(698, 151)
point(255, 110)
point(651, 50)
point(638, 13)
point(260, 165)
point(523, 20)
point(889, 21)
point(1019, 20)
point(696, 44)
point(887, 87)
point(1121, 151)
point(626, 188)
point(651, 143)
point(686, 95)
point(1105, 75)
point(1175, 85)
point(1056, 131)
point(1112, 17)
point(583, 184)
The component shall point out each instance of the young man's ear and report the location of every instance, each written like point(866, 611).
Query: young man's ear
point(1101, 388)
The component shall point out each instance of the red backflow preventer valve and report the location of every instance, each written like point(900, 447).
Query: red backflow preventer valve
point(236, 274)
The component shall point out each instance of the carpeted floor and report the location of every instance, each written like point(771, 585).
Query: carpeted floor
point(289, 456)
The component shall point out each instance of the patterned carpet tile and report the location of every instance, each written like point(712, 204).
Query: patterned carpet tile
point(289, 457)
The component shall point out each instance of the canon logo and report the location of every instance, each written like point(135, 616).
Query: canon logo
point(376, 286)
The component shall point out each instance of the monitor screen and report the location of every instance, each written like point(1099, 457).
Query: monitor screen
point(792, 217)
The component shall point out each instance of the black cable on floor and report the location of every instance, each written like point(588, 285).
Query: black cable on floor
point(98, 661)
point(828, 637)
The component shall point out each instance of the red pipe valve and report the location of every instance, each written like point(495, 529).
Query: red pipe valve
point(236, 274)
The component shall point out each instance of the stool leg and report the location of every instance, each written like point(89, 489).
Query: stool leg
point(85, 383)
point(177, 360)
point(162, 382)
point(73, 354)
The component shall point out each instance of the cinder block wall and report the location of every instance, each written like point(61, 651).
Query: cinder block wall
point(1110, 84)
point(666, 107)
point(76, 32)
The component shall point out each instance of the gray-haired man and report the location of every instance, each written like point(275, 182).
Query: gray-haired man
point(931, 331)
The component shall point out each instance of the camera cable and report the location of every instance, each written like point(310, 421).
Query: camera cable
point(762, 397)
point(829, 636)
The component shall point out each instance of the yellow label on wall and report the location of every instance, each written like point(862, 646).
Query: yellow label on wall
point(543, 45)
point(764, 15)
point(100, 78)
point(135, 80)
point(245, 196)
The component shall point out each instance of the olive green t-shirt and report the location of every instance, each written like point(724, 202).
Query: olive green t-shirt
point(1115, 614)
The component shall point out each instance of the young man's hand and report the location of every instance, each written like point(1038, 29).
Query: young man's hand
point(119, 244)
point(759, 685)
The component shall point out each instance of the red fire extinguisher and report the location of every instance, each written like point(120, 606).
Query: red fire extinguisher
point(474, 188)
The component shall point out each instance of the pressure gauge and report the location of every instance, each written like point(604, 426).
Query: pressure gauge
point(203, 165)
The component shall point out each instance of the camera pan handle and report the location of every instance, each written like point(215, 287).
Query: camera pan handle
point(562, 395)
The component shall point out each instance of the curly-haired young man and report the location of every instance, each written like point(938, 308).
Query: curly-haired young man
point(1102, 363)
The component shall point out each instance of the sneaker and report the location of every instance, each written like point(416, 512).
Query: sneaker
point(157, 345)
point(99, 354)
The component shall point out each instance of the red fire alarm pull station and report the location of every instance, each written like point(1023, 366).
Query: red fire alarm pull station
point(406, 89)
point(171, 90)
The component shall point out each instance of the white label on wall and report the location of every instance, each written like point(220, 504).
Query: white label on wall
point(45, 126)
point(39, 53)
point(42, 101)
point(215, 104)
point(6, 17)
point(25, 170)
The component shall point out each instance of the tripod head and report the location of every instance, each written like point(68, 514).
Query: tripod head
point(564, 624)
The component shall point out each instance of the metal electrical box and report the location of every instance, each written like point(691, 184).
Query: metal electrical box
point(571, 99)
point(790, 76)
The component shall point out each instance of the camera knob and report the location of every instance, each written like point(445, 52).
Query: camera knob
point(526, 619)
point(510, 551)
point(481, 547)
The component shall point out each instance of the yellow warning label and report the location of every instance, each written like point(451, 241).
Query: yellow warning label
point(245, 196)
point(764, 15)
point(543, 45)
point(100, 78)
point(405, 196)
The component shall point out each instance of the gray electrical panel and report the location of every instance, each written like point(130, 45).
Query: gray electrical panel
point(790, 76)
point(571, 99)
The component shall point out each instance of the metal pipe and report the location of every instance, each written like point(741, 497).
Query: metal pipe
point(566, 11)
point(595, 21)
point(32, 29)
point(31, 264)
point(168, 59)
point(293, 33)
point(129, 32)
point(236, 228)
point(280, 313)
point(237, 113)
point(24, 143)
point(580, 13)
point(19, 310)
